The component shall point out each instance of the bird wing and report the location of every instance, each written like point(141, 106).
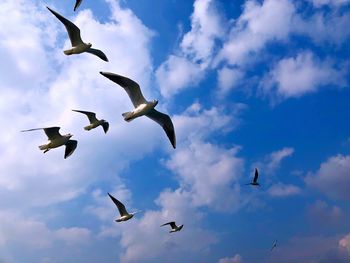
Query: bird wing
point(105, 126)
point(256, 176)
point(73, 30)
point(121, 207)
point(71, 145)
point(130, 86)
point(89, 114)
point(51, 132)
point(172, 224)
point(98, 53)
point(77, 4)
point(166, 123)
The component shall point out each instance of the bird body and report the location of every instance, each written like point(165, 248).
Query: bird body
point(174, 227)
point(142, 106)
point(78, 49)
point(140, 110)
point(56, 140)
point(274, 245)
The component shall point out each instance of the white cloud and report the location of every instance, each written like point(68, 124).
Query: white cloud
point(283, 190)
point(294, 77)
point(272, 161)
point(320, 3)
point(196, 50)
point(235, 259)
point(321, 212)
point(345, 242)
point(257, 25)
point(177, 73)
point(210, 174)
point(206, 27)
point(228, 78)
point(332, 178)
point(73, 235)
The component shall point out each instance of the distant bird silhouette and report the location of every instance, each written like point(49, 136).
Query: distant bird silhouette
point(77, 4)
point(124, 215)
point(274, 245)
point(142, 106)
point(255, 180)
point(78, 46)
point(94, 122)
point(174, 227)
point(57, 140)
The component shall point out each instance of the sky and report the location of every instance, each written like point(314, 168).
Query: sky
point(248, 84)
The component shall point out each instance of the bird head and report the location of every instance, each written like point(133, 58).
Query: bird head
point(89, 44)
point(69, 135)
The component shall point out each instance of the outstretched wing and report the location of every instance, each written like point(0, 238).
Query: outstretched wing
point(172, 224)
point(71, 145)
point(130, 86)
point(77, 4)
point(51, 132)
point(121, 207)
point(105, 126)
point(256, 176)
point(98, 53)
point(166, 123)
point(73, 30)
point(89, 114)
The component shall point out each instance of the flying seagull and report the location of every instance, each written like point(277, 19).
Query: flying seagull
point(77, 4)
point(78, 46)
point(274, 245)
point(255, 180)
point(142, 106)
point(124, 215)
point(174, 227)
point(57, 140)
point(94, 122)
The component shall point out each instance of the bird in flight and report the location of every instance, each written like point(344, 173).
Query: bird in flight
point(124, 215)
point(94, 122)
point(174, 227)
point(57, 140)
point(142, 106)
point(78, 46)
point(77, 4)
point(274, 245)
point(255, 180)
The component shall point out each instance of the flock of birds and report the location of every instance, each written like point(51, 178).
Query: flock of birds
point(142, 107)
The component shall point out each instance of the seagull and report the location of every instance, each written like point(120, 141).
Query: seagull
point(142, 106)
point(78, 46)
point(57, 140)
point(255, 180)
point(274, 245)
point(94, 122)
point(77, 4)
point(124, 215)
point(174, 227)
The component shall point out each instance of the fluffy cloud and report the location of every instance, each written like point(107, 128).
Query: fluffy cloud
point(320, 3)
point(282, 190)
point(257, 25)
point(294, 77)
point(235, 259)
point(228, 78)
point(195, 52)
point(324, 213)
point(332, 178)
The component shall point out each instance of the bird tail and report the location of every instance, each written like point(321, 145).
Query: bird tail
point(128, 116)
point(68, 52)
point(43, 147)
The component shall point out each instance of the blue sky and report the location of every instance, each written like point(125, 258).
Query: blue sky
point(247, 83)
